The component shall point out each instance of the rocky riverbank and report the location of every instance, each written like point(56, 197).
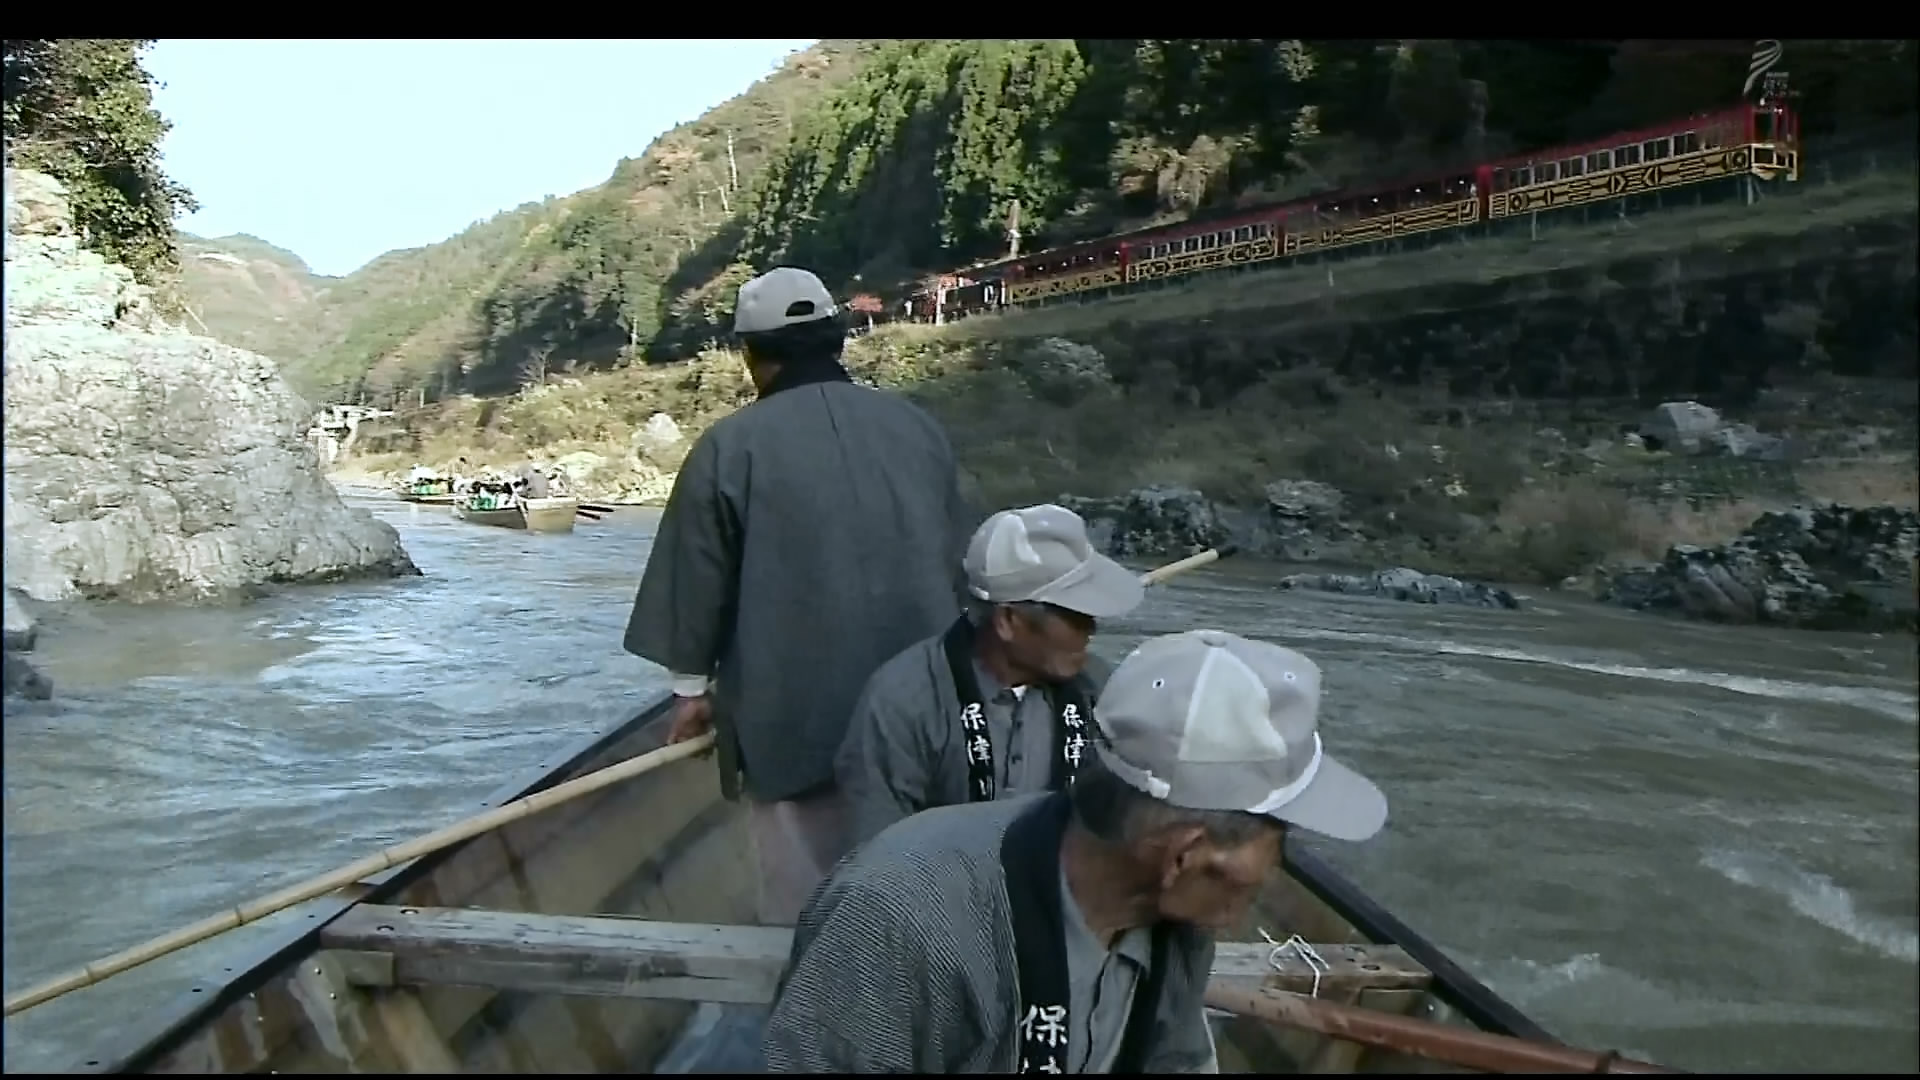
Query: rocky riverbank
point(1821, 567)
point(143, 462)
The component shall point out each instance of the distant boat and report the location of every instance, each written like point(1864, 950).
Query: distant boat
point(535, 515)
point(428, 490)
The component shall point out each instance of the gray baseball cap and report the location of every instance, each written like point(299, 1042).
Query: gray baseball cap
point(1209, 720)
point(1042, 554)
point(783, 296)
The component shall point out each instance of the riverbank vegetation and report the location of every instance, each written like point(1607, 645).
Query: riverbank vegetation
point(1502, 490)
point(81, 110)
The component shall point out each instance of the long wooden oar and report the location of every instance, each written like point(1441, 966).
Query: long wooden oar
point(587, 515)
point(598, 508)
point(1479, 1050)
point(1191, 562)
point(348, 875)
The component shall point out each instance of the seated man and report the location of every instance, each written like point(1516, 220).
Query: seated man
point(951, 719)
point(1073, 931)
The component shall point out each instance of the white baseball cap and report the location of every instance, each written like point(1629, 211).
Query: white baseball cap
point(783, 296)
point(1042, 554)
point(1209, 720)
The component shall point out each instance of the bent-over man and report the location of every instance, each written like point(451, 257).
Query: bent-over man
point(1000, 703)
point(808, 537)
point(1073, 931)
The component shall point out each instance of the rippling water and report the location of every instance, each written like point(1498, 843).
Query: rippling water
point(1692, 843)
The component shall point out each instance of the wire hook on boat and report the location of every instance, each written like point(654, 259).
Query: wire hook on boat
point(1307, 954)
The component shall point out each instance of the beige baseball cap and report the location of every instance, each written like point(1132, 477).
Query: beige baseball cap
point(783, 296)
point(1042, 554)
point(1209, 720)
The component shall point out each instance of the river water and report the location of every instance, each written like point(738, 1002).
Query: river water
point(1691, 843)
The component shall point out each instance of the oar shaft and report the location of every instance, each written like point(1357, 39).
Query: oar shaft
point(1465, 1047)
point(242, 914)
point(1191, 562)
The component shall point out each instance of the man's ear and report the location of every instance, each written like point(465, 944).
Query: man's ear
point(1181, 850)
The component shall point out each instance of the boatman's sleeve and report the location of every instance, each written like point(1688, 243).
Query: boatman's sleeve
point(883, 765)
point(964, 518)
point(870, 987)
point(684, 611)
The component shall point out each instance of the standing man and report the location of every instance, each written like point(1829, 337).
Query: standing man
point(1074, 931)
point(808, 537)
point(1000, 703)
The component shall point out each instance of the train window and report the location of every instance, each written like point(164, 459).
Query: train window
point(1547, 171)
point(1656, 149)
point(1627, 155)
point(1599, 159)
point(1573, 167)
point(1209, 241)
point(1686, 143)
point(1161, 251)
point(1192, 243)
point(1265, 228)
point(1523, 176)
point(1243, 234)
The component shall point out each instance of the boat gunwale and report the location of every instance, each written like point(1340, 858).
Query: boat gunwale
point(1476, 1003)
point(140, 1044)
point(1456, 986)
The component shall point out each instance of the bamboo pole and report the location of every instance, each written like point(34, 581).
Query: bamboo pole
point(347, 875)
point(1191, 562)
point(1479, 1050)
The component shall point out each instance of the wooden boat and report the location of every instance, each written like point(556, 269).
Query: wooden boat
point(438, 492)
point(533, 948)
point(537, 515)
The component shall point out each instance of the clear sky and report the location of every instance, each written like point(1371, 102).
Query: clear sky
point(341, 150)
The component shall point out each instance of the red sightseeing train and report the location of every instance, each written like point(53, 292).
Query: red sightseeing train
point(1759, 141)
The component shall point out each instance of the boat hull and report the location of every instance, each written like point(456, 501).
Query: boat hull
point(533, 515)
point(663, 846)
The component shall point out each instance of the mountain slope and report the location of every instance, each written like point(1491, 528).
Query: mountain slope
point(585, 280)
point(247, 292)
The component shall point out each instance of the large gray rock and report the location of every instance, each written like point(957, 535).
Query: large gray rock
point(1688, 427)
point(1826, 567)
point(1161, 521)
point(145, 462)
point(20, 677)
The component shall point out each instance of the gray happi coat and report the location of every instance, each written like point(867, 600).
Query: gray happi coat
point(809, 537)
point(903, 961)
point(904, 754)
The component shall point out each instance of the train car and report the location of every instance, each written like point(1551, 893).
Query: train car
point(1239, 239)
point(1077, 268)
point(946, 297)
point(1753, 140)
point(1761, 141)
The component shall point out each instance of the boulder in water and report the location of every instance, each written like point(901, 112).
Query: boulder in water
point(1401, 583)
point(21, 677)
point(143, 461)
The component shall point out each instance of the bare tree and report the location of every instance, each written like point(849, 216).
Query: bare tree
point(533, 370)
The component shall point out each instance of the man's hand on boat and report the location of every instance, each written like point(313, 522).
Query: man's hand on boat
point(692, 718)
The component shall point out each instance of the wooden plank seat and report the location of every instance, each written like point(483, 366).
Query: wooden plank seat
point(613, 956)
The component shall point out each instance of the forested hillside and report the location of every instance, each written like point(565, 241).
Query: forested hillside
point(872, 161)
point(583, 281)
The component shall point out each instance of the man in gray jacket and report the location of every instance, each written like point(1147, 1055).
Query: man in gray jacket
point(1073, 931)
point(999, 703)
point(808, 537)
